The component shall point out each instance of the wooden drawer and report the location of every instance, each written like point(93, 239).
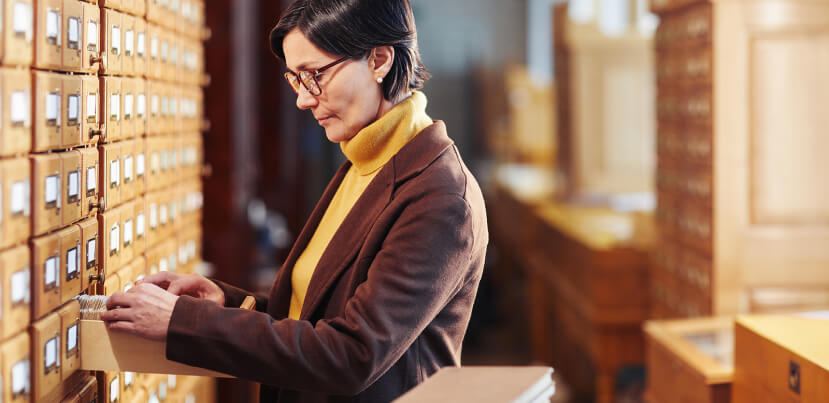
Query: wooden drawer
point(15, 179)
point(690, 360)
point(113, 40)
point(109, 254)
point(71, 174)
point(128, 170)
point(128, 57)
point(47, 107)
point(140, 120)
point(128, 117)
point(90, 127)
point(17, 369)
point(91, 51)
point(70, 318)
point(140, 151)
point(110, 386)
point(698, 23)
point(112, 108)
point(698, 106)
point(696, 228)
point(90, 243)
point(16, 137)
point(70, 259)
point(16, 304)
point(140, 239)
point(154, 65)
point(112, 284)
point(46, 275)
point(18, 36)
point(780, 358)
point(71, 52)
point(48, 36)
point(46, 357)
point(71, 111)
point(127, 212)
point(141, 55)
point(46, 193)
point(90, 171)
point(110, 185)
point(86, 392)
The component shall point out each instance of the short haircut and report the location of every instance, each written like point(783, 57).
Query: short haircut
point(353, 28)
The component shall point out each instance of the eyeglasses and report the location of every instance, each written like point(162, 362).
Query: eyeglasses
point(309, 78)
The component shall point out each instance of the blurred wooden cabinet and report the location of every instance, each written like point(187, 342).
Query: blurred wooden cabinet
point(743, 201)
point(690, 360)
point(605, 97)
point(781, 359)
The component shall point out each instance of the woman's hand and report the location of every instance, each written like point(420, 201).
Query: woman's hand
point(194, 285)
point(144, 310)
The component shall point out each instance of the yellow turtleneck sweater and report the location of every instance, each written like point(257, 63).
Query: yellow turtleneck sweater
point(368, 151)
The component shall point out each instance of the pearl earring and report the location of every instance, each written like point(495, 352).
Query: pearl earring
point(379, 80)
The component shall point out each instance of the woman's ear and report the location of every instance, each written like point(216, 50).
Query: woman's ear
point(381, 60)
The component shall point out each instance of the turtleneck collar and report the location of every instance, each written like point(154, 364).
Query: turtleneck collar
point(374, 145)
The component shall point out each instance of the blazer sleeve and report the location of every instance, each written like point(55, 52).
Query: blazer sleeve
point(234, 296)
point(424, 261)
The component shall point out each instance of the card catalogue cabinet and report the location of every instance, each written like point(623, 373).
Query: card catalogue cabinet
point(75, 108)
point(740, 206)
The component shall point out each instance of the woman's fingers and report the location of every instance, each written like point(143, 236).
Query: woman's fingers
point(119, 299)
point(162, 279)
point(115, 315)
point(122, 326)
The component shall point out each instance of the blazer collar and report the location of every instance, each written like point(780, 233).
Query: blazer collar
point(412, 159)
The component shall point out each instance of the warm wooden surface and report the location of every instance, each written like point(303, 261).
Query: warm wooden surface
point(768, 347)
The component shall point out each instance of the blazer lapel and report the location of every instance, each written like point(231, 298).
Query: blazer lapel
point(413, 158)
point(282, 289)
point(349, 237)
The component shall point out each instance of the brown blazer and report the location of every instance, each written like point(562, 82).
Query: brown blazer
point(388, 303)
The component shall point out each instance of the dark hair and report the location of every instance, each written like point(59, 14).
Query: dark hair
point(353, 28)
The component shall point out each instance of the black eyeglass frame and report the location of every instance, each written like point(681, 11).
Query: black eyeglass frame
point(309, 81)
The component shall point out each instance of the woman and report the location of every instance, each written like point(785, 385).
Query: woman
point(377, 291)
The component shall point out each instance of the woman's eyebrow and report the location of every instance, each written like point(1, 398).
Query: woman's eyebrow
point(304, 67)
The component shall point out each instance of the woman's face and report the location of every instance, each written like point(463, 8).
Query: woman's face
point(351, 98)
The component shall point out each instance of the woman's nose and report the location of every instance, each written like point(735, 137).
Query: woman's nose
point(304, 99)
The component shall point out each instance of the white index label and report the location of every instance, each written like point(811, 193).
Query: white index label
point(23, 20)
point(51, 271)
point(19, 195)
point(71, 261)
point(52, 19)
point(127, 232)
point(129, 42)
point(19, 107)
point(74, 108)
point(51, 189)
point(139, 164)
point(116, 39)
point(52, 106)
point(91, 179)
point(71, 337)
point(128, 167)
point(142, 44)
point(20, 287)
point(90, 250)
point(74, 184)
point(74, 30)
point(128, 106)
point(92, 33)
point(20, 378)
point(114, 235)
point(91, 105)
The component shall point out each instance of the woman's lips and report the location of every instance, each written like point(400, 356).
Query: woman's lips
point(323, 120)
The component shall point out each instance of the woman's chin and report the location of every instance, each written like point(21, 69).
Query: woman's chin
point(336, 135)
